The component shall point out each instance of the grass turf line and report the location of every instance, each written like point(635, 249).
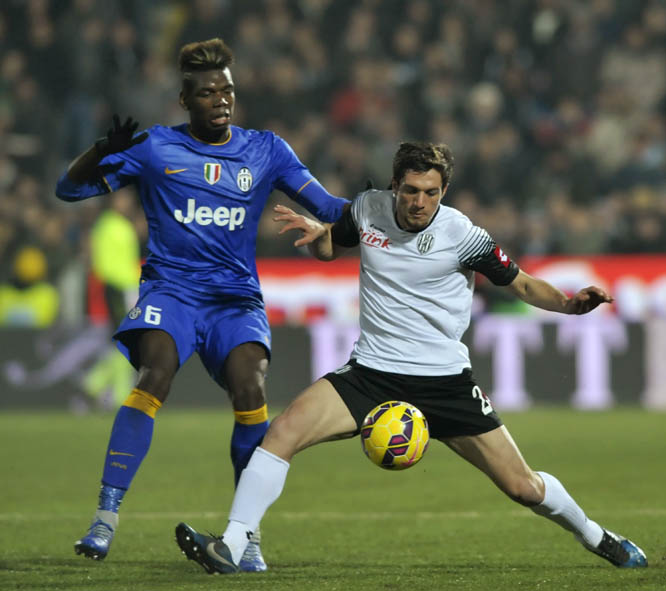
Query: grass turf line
point(341, 522)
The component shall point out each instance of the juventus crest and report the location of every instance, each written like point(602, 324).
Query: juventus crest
point(424, 242)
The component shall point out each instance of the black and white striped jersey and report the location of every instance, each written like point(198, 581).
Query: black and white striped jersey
point(416, 287)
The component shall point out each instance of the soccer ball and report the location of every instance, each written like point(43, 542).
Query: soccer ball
point(394, 435)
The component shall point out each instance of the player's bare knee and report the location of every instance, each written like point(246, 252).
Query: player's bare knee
point(282, 438)
point(248, 395)
point(525, 490)
point(155, 380)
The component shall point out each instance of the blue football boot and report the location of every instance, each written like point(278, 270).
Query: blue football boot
point(252, 561)
point(619, 551)
point(95, 544)
point(209, 551)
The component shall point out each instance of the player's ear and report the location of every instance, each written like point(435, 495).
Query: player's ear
point(181, 100)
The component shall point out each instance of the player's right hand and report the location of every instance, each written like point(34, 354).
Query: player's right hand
point(311, 229)
point(119, 137)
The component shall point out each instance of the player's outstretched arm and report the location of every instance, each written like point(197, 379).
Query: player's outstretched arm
point(542, 294)
point(119, 138)
point(314, 234)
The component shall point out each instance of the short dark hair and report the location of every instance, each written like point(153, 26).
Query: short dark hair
point(213, 54)
point(201, 56)
point(421, 157)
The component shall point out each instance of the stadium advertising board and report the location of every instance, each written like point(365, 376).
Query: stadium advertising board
point(611, 356)
point(605, 347)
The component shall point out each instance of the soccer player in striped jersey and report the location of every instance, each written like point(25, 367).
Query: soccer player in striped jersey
point(418, 259)
point(203, 186)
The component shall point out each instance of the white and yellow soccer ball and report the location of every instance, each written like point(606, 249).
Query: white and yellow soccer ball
point(394, 435)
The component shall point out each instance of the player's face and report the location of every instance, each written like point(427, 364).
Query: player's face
point(210, 100)
point(417, 198)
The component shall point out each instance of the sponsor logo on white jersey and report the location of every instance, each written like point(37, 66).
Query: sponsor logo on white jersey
point(374, 238)
point(204, 215)
point(244, 179)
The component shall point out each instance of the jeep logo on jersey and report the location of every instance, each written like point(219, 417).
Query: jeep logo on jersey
point(424, 242)
point(212, 172)
point(244, 179)
point(204, 215)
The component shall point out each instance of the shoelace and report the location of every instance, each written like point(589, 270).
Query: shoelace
point(251, 551)
point(101, 530)
point(612, 547)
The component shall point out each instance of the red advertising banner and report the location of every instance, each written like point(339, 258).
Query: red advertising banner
point(637, 282)
point(303, 291)
point(300, 291)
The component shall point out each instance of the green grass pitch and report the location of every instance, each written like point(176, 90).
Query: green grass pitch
point(341, 523)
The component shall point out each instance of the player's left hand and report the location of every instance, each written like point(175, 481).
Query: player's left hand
point(120, 137)
point(587, 299)
point(311, 229)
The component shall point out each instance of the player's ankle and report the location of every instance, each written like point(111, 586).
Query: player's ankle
point(110, 498)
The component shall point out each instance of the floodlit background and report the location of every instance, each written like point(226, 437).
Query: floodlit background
point(555, 110)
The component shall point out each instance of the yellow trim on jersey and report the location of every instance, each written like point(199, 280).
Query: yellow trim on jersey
point(143, 401)
point(303, 187)
point(107, 184)
point(252, 417)
point(210, 143)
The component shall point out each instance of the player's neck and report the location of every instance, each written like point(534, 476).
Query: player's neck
point(207, 137)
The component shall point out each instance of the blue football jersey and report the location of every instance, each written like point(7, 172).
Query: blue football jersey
point(203, 201)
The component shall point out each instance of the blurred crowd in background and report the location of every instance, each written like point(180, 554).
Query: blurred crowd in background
point(555, 111)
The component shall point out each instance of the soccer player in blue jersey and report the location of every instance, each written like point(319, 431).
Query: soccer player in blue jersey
point(203, 187)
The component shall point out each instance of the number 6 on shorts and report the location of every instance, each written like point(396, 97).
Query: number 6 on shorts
point(153, 315)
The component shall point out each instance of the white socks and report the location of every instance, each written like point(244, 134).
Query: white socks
point(260, 485)
point(558, 506)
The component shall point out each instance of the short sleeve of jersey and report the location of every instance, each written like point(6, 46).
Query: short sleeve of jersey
point(477, 251)
point(344, 232)
point(120, 169)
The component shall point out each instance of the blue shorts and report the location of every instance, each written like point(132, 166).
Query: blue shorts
point(210, 325)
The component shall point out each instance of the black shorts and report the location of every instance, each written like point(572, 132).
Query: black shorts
point(453, 405)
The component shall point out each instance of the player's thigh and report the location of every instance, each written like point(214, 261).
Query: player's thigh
point(316, 415)
point(159, 310)
point(496, 454)
point(245, 375)
point(157, 360)
point(235, 349)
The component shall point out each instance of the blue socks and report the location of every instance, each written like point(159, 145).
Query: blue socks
point(249, 430)
point(130, 439)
